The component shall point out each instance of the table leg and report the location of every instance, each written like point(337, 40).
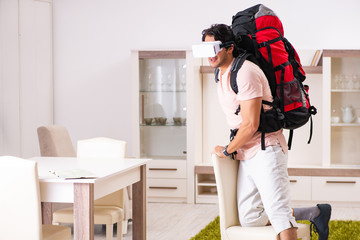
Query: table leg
point(83, 211)
point(46, 212)
point(139, 206)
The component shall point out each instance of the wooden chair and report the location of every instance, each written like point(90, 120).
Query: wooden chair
point(226, 171)
point(108, 209)
point(20, 202)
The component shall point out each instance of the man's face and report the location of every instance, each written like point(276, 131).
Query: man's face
point(221, 58)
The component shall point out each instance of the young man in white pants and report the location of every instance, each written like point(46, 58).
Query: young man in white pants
point(263, 183)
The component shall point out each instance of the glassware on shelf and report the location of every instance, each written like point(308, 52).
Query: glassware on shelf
point(183, 85)
point(182, 76)
point(160, 120)
point(179, 121)
point(346, 83)
point(148, 121)
point(335, 118)
point(338, 82)
point(169, 85)
point(356, 81)
point(149, 80)
point(163, 86)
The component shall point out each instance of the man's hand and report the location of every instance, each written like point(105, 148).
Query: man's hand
point(218, 150)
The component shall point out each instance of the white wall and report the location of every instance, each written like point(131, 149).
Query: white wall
point(25, 74)
point(9, 79)
point(93, 39)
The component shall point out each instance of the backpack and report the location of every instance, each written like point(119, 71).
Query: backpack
point(259, 34)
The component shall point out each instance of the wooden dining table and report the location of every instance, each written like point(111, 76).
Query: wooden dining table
point(108, 175)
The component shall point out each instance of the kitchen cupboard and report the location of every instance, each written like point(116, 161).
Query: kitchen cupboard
point(164, 121)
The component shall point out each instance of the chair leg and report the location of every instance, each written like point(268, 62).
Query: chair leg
point(124, 226)
point(109, 231)
point(119, 231)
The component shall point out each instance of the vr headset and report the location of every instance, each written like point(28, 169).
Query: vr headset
point(209, 49)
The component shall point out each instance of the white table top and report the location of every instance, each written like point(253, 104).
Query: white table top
point(102, 168)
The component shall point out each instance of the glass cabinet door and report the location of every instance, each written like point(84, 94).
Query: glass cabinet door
point(162, 107)
point(345, 111)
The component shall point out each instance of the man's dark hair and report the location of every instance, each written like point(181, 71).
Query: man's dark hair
point(222, 33)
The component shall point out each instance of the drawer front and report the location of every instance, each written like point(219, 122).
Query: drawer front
point(166, 187)
point(300, 188)
point(336, 189)
point(166, 169)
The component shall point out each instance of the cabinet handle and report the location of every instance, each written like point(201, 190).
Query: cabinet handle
point(172, 188)
point(352, 182)
point(294, 181)
point(163, 169)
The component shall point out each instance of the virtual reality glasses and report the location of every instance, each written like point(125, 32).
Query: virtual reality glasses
point(209, 49)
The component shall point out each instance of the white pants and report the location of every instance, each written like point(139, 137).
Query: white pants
point(263, 190)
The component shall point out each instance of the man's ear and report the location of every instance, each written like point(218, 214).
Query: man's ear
point(230, 49)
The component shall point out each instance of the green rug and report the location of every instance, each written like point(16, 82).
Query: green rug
point(339, 230)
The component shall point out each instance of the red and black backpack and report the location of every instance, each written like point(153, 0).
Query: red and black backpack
point(259, 33)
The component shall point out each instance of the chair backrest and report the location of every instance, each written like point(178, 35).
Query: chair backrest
point(55, 141)
point(20, 206)
point(101, 147)
point(226, 171)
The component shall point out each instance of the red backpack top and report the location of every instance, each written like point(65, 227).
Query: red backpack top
point(259, 32)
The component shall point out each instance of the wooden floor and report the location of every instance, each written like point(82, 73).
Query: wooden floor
point(182, 221)
point(171, 221)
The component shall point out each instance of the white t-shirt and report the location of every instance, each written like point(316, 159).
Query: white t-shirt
point(252, 83)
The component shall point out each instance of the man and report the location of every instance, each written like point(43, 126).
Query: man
point(263, 184)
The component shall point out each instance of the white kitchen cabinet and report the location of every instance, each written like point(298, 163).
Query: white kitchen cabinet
point(341, 97)
point(166, 180)
point(164, 121)
point(338, 189)
point(300, 188)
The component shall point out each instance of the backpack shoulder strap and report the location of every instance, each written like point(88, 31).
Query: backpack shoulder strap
point(217, 70)
point(238, 62)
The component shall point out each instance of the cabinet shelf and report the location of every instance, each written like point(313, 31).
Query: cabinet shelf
point(313, 69)
point(211, 194)
point(207, 183)
point(341, 53)
point(307, 69)
point(163, 91)
point(345, 90)
point(157, 157)
point(166, 125)
point(345, 124)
